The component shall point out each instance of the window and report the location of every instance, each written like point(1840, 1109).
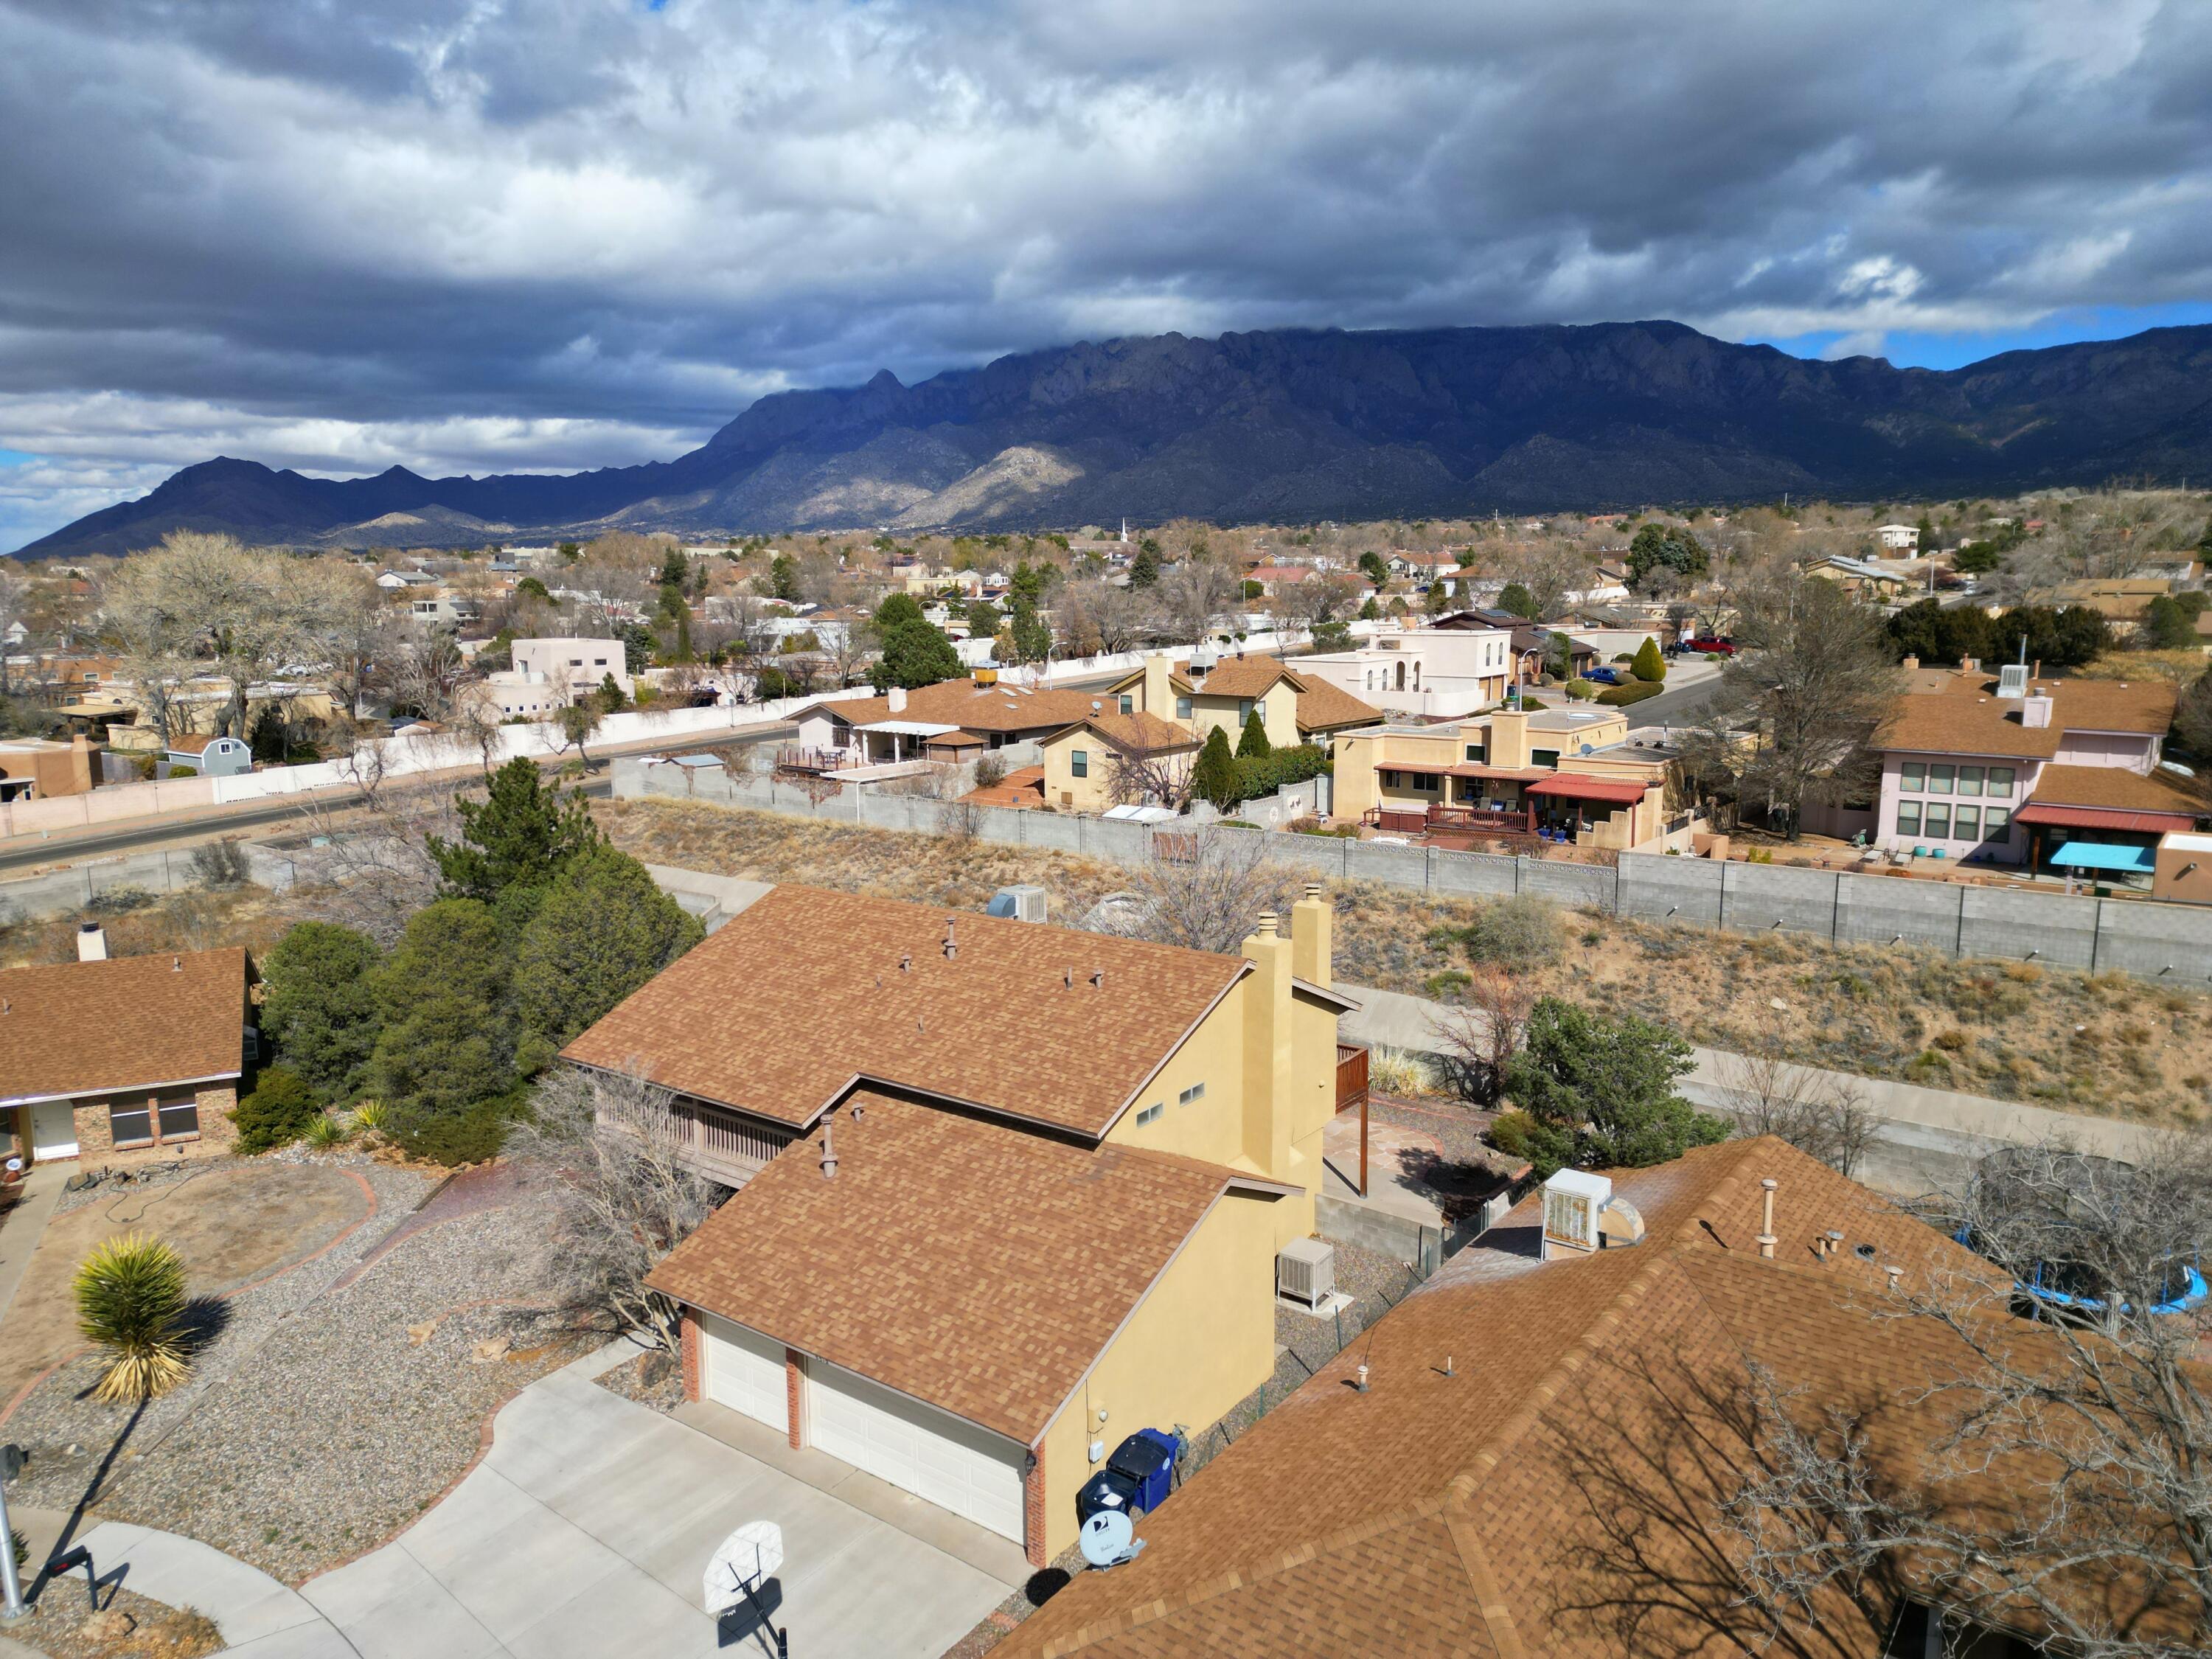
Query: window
point(1999, 826)
point(1970, 780)
point(1939, 778)
point(1939, 820)
point(1474, 753)
point(1389, 778)
point(1078, 761)
point(129, 1124)
point(1967, 823)
point(1908, 818)
point(1427, 781)
point(1196, 1091)
point(2001, 781)
point(1913, 775)
point(1128, 703)
point(1182, 708)
point(179, 1117)
point(1150, 1114)
point(1244, 710)
point(1544, 758)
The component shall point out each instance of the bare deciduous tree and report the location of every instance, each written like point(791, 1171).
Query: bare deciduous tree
point(2092, 1423)
point(1823, 1114)
point(1149, 777)
point(1206, 891)
point(1477, 1039)
point(1193, 595)
point(605, 1145)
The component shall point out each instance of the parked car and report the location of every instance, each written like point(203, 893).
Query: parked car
point(1604, 676)
point(1713, 647)
point(1136, 1478)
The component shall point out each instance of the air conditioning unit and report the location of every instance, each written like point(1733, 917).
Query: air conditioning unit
point(1020, 903)
point(1305, 1270)
point(2012, 680)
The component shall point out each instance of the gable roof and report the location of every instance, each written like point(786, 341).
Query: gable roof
point(1960, 713)
point(1005, 707)
point(801, 995)
point(975, 1267)
point(1320, 707)
point(1139, 732)
point(1590, 1401)
point(84, 1027)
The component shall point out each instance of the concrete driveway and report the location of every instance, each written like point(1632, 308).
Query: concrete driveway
point(584, 1531)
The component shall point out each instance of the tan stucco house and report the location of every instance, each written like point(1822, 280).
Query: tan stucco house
point(125, 1060)
point(1111, 760)
point(1004, 1190)
point(1293, 706)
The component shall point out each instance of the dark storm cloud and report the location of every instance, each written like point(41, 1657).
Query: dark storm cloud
point(466, 235)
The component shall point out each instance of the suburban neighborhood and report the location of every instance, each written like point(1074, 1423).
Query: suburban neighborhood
point(1310, 1099)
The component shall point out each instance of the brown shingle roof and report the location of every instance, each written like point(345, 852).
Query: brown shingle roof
point(1320, 707)
point(802, 992)
point(1962, 715)
point(1593, 1400)
point(1001, 707)
point(980, 1268)
point(1139, 732)
point(81, 1028)
point(2112, 786)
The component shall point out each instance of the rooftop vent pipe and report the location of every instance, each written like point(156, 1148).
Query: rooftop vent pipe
point(1766, 1239)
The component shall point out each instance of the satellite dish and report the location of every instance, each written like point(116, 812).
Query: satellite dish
point(1587, 750)
point(1107, 1540)
point(748, 1558)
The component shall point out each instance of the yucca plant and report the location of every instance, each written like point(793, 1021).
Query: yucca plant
point(130, 1301)
point(371, 1118)
point(1394, 1071)
point(325, 1132)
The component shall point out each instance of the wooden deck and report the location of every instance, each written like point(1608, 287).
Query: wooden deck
point(718, 1144)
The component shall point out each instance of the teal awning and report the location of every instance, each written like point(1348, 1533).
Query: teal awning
point(2095, 855)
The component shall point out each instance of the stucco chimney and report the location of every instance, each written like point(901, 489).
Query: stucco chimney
point(894, 699)
point(1508, 738)
point(1158, 699)
point(1268, 1009)
point(1312, 926)
point(92, 943)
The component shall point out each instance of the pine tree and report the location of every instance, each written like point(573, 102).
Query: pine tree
point(519, 835)
point(320, 1009)
point(604, 929)
point(1214, 778)
point(1145, 568)
point(1253, 743)
point(445, 997)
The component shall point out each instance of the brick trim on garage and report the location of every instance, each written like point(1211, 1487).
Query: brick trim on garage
point(794, 1397)
point(689, 1343)
point(1033, 1533)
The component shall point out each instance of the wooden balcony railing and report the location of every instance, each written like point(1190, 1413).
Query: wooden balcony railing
point(718, 1144)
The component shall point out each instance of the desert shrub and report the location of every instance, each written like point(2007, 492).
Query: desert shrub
point(471, 1135)
point(1950, 1041)
point(1513, 1133)
point(119, 901)
point(130, 1302)
point(990, 771)
point(182, 772)
point(325, 1132)
point(278, 1112)
point(1447, 984)
point(219, 864)
point(1394, 1071)
point(1580, 690)
point(1617, 697)
point(1523, 931)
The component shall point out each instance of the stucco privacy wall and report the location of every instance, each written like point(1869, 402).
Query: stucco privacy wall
point(2171, 942)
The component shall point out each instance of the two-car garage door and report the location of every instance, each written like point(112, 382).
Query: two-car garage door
point(916, 1448)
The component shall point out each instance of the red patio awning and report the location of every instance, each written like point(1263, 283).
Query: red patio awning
point(2101, 817)
point(1575, 785)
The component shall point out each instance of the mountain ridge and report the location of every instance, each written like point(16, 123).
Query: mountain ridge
point(1293, 424)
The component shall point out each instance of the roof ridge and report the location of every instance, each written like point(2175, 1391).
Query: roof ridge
point(1452, 1497)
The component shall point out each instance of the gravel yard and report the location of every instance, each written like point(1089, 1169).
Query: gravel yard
point(320, 1419)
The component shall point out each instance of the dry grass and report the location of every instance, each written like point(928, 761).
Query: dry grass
point(2109, 1044)
point(195, 919)
point(2179, 668)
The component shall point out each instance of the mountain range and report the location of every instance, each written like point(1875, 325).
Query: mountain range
point(1292, 425)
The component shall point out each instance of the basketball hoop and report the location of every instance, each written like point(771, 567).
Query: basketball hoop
point(747, 1560)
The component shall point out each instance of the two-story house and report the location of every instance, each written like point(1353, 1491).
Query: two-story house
point(1423, 671)
point(2012, 768)
point(1208, 690)
point(1005, 1191)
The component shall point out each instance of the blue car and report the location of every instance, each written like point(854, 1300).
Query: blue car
point(1604, 676)
point(1136, 1479)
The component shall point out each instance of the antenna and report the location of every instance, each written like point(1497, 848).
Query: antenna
point(1107, 1540)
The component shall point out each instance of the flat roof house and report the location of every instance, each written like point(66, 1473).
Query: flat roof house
point(1422, 671)
point(117, 1060)
point(2012, 769)
point(952, 720)
point(999, 1184)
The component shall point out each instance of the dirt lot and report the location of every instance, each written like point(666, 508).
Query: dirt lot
point(2108, 1044)
point(195, 919)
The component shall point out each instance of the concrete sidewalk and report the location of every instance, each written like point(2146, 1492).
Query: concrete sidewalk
point(1927, 1137)
point(26, 1224)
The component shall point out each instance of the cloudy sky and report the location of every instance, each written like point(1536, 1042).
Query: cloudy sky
point(478, 236)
